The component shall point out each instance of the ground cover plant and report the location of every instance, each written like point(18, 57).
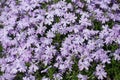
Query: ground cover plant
point(59, 39)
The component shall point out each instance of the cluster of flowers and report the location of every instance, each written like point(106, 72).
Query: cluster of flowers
point(30, 29)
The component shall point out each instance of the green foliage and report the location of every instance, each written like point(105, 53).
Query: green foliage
point(97, 25)
point(1, 26)
point(110, 23)
point(27, 64)
point(1, 56)
point(55, 1)
point(19, 76)
point(58, 40)
point(72, 75)
point(91, 71)
point(1, 73)
point(56, 19)
point(113, 70)
point(118, 1)
point(43, 6)
point(38, 75)
point(1, 50)
point(68, 1)
point(51, 71)
point(112, 47)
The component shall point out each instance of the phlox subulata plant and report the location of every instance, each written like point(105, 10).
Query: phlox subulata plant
point(59, 39)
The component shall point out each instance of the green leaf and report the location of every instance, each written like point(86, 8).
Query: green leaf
point(55, 1)
point(51, 71)
point(68, 1)
point(56, 19)
point(112, 47)
point(19, 76)
point(97, 25)
point(110, 23)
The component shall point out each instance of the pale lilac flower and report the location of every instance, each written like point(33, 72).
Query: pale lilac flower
point(29, 78)
point(43, 71)
point(115, 6)
point(117, 54)
point(100, 72)
point(82, 77)
point(83, 65)
point(101, 55)
point(44, 78)
point(33, 68)
point(7, 76)
point(85, 22)
point(57, 76)
point(50, 34)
